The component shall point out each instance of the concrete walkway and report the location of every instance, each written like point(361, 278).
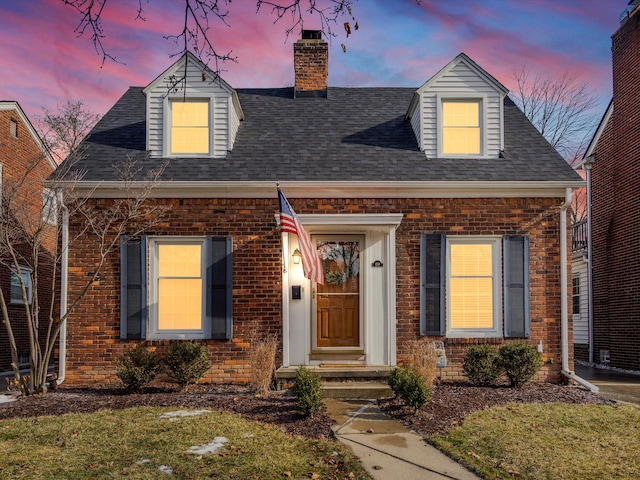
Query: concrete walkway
point(386, 448)
point(613, 384)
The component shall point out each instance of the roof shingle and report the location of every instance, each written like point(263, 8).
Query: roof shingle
point(356, 134)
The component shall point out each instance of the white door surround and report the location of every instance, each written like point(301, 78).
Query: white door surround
point(378, 267)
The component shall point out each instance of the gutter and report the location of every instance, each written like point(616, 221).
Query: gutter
point(64, 282)
point(564, 293)
point(334, 189)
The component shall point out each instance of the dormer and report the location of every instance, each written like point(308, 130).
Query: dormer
point(458, 113)
point(191, 112)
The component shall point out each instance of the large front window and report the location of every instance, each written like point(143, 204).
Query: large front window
point(461, 134)
point(190, 127)
point(474, 286)
point(178, 288)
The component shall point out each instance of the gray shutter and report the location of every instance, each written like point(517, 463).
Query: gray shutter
point(517, 321)
point(433, 280)
point(133, 287)
point(220, 283)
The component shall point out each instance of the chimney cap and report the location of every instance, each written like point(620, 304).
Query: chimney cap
point(311, 34)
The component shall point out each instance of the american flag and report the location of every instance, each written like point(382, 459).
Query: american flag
point(311, 262)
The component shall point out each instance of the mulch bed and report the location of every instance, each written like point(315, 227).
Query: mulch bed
point(449, 404)
point(452, 401)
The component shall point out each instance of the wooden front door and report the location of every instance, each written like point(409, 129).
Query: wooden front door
point(337, 302)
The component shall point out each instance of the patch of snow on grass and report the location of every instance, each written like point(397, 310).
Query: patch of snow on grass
point(173, 416)
point(166, 469)
point(213, 447)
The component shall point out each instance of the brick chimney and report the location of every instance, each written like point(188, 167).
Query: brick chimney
point(311, 65)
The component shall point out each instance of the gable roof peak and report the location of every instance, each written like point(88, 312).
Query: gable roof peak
point(464, 58)
point(11, 105)
point(187, 58)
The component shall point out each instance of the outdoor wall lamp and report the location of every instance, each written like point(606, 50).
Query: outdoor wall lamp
point(296, 256)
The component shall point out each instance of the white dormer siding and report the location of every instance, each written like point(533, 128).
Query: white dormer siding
point(461, 80)
point(200, 85)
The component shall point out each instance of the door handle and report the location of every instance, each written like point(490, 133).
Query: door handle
point(313, 293)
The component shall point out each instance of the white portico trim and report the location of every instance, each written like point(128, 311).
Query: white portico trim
point(378, 267)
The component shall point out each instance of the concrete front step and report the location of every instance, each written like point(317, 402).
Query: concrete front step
point(356, 390)
point(339, 373)
point(344, 381)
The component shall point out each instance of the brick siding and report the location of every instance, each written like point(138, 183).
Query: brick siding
point(616, 210)
point(94, 340)
point(18, 155)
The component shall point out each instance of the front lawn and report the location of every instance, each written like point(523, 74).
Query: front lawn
point(147, 443)
point(552, 441)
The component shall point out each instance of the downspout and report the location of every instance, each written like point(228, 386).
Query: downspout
point(564, 292)
point(64, 279)
point(587, 166)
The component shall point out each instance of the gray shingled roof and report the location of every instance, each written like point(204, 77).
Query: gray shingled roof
point(356, 134)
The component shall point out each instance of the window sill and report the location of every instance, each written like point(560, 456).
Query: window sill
point(177, 336)
point(17, 302)
point(473, 334)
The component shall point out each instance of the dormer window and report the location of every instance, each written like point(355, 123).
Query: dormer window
point(461, 127)
point(190, 127)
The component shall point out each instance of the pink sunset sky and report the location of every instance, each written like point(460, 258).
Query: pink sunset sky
point(399, 43)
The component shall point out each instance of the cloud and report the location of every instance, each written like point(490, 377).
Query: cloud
point(399, 43)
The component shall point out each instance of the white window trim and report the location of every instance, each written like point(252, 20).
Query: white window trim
point(50, 215)
point(29, 285)
point(166, 108)
point(482, 99)
point(154, 332)
point(576, 297)
point(496, 252)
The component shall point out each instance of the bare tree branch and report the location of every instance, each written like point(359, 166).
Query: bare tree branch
point(199, 15)
point(559, 108)
point(90, 20)
point(29, 240)
point(62, 131)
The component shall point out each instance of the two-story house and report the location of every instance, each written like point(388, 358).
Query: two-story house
point(24, 165)
point(613, 160)
point(439, 213)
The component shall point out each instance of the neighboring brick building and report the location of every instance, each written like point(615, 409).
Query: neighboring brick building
point(439, 214)
point(23, 161)
point(615, 204)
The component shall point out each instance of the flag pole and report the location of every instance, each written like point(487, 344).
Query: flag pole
point(284, 237)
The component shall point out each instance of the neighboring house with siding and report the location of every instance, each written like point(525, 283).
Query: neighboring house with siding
point(24, 165)
point(580, 271)
point(440, 214)
point(580, 292)
point(613, 157)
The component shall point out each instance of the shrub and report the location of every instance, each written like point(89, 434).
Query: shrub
point(307, 388)
point(423, 359)
point(520, 361)
point(481, 364)
point(410, 386)
point(187, 362)
point(137, 367)
point(395, 379)
point(262, 358)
